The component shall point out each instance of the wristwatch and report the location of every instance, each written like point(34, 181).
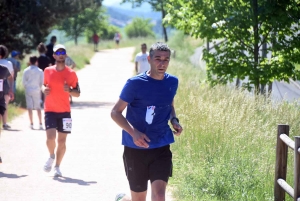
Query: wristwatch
point(175, 119)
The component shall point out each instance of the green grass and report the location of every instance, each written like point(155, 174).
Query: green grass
point(227, 149)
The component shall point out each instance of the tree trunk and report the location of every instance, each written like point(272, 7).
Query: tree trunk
point(256, 47)
point(237, 83)
point(75, 38)
point(264, 55)
point(270, 88)
point(163, 16)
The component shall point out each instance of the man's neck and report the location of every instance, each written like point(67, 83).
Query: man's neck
point(60, 66)
point(155, 76)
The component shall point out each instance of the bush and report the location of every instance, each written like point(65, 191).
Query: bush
point(139, 28)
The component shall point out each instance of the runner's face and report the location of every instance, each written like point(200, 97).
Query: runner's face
point(159, 62)
point(61, 57)
point(144, 48)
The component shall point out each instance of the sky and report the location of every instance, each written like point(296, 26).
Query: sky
point(127, 6)
point(111, 2)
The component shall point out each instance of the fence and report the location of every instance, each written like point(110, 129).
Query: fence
point(281, 186)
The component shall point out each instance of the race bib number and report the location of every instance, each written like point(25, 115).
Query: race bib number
point(1, 84)
point(67, 124)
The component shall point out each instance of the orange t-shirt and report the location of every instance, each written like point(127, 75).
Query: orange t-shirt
point(58, 99)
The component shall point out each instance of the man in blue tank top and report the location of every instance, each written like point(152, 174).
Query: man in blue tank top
point(146, 135)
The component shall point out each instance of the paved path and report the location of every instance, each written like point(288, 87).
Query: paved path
point(92, 167)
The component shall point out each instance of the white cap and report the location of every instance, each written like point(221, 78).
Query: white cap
point(58, 46)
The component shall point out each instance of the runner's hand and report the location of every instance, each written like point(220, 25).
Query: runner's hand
point(46, 90)
point(66, 87)
point(11, 95)
point(140, 139)
point(177, 127)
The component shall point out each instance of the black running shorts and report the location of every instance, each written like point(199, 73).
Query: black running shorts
point(142, 165)
point(62, 122)
point(2, 110)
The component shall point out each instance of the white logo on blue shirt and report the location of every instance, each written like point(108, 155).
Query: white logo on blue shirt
point(150, 114)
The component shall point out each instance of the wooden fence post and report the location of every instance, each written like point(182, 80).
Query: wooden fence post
point(281, 162)
point(297, 169)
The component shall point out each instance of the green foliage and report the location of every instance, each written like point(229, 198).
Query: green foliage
point(90, 19)
point(26, 23)
point(157, 5)
point(246, 26)
point(227, 149)
point(139, 27)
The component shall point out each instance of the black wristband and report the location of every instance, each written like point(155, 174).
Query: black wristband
point(70, 90)
point(175, 119)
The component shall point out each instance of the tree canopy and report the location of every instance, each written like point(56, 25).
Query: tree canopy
point(88, 20)
point(246, 26)
point(157, 5)
point(26, 23)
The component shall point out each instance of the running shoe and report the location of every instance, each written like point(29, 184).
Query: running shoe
point(31, 126)
point(6, 126)
point(48, 165)
point(119, 196)
point(41, 127)
point(57, 172)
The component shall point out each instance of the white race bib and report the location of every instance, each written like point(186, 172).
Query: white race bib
point(1, 84)
point(67, 124)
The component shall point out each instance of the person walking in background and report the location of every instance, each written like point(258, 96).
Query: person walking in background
point(146, 135)
point(43, 60)
point(60, 82)
point(70, 63)
point(33, 78)
point(96, 41)
point(141, 60)
point(14, 59)
point(6, 69)
point(117, 39)
point(49, 52)
point(7, 85)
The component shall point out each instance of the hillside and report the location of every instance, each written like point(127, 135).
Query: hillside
point(121, 16)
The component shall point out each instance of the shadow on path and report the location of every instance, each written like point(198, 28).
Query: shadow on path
point(11, 176)
point(74, 181)
point(87, 104)
point(16, 130)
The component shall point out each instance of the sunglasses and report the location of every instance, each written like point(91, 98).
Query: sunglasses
point(60, 53)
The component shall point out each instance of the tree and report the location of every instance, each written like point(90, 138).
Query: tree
point(26, 23)
point(139, 27)
point(157, 5)
point(90, 19)
point(246, 26)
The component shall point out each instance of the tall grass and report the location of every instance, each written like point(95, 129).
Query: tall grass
point(227, 149)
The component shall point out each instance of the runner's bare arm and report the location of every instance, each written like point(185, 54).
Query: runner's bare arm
point(75, 92)
point(139, 139)
point(136, 66)
point(45, 89)
point(117, 116)
point(175, 122)
point(11, 81)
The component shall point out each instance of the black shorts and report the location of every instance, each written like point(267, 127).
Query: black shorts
point(2, 110)
point(142, 165)
point(117, 41)
point(60, 121)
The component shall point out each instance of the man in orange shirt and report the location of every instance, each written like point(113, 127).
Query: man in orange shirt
point(60, 82)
